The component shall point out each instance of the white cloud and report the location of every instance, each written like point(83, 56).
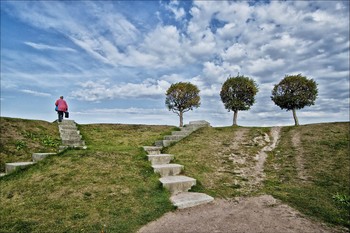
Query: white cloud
point(103, 89)
point(49, 47)
point(36, 93)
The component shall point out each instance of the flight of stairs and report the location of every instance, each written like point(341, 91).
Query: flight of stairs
point(70, 135)
point(171, 177)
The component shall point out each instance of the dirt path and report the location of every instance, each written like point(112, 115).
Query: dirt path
point(262, 214)
point(299, 157)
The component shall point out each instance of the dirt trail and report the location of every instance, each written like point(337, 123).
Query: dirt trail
point(299, 157)
point(262, 214)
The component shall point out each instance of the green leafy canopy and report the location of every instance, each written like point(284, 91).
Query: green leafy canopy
point(182, 97)
point(294, 92)
point(238, 93)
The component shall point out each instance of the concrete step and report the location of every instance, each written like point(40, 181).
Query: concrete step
point(159, 143)
point(67, 127)
point(40, 156)
point(10, 167)
point(62, 148)
point(168, 142)
point(152, 150)
point(160, 158)
point(174, 137)
point(73, 143)
point(189, 199)
point(168, 169)
point(71, 137)
point(180, 133)
point(177, 184)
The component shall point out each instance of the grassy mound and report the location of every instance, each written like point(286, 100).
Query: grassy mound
point(111, 185)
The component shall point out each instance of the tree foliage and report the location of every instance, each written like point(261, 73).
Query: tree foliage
point(294, 92)
point(182, 97)
point(238, 94)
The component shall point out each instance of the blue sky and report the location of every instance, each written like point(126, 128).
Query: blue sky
point(114, 60)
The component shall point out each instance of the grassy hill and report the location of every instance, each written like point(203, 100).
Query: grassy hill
point(111, 185)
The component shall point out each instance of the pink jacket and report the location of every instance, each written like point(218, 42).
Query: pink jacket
point(62, 105)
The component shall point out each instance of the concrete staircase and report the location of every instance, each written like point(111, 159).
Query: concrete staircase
point(171, 177)
point(184, 132)
point(70, 135)
point(11, 167)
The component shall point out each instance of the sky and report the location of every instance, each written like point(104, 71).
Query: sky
point(114, 60)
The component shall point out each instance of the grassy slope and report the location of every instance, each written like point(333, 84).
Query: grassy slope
point(20, 138)
point(325, 149)
point(112, 184)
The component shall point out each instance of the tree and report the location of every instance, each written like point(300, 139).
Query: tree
point(295, 92)
point(182, 97)
point(238, 94)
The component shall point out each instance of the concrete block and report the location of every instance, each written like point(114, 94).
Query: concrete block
point(189, 199)
point(183, 133)
point(174, 137)
point(177, 184)
point(10, 167)
point(40, 156)
point(168, 169)
point(168, 142)
point(160, 158)
point(152, 150)
point(159, 143)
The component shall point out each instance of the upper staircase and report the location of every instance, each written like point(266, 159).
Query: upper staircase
point(70, 135)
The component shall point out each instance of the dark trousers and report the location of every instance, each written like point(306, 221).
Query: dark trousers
point(60, 116)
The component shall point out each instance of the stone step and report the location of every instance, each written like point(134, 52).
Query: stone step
point(160, 158)
point(190, 199)
point(174, 137)
point(62, 148)
point(73, 143)
point(180, 133)
point(71, 137)
point(168, 142)
point(152, 150)
point(10, 167)
point(70, 132)
point(168, 169)
point(159, 143)
point(67, 127)
point(177, 184)
point(40, 156)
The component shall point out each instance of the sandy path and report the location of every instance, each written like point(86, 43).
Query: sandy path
point(262, 214)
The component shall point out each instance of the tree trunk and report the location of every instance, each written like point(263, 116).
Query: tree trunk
point(181, 118)
point(235, 117)
point(295, 117)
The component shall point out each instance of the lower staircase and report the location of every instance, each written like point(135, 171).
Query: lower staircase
point(11, 167)
point(70, 136)
point(171, 177)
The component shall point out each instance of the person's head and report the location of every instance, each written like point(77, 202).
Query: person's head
point(61, 97)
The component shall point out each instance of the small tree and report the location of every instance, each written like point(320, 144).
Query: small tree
point(238, 94)
point(182, 97)
point(295, 92)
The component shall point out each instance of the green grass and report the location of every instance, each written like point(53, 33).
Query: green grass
point(111, 185)
point(327, 165)
point(20, 138)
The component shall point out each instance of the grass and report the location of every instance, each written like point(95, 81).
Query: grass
point(207, 156)
point(326, 162)
point(111, 185)
point(20, 138)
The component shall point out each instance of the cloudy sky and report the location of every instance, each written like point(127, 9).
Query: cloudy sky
point(114, 60)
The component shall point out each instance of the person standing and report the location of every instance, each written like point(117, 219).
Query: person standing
point(62, 107)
